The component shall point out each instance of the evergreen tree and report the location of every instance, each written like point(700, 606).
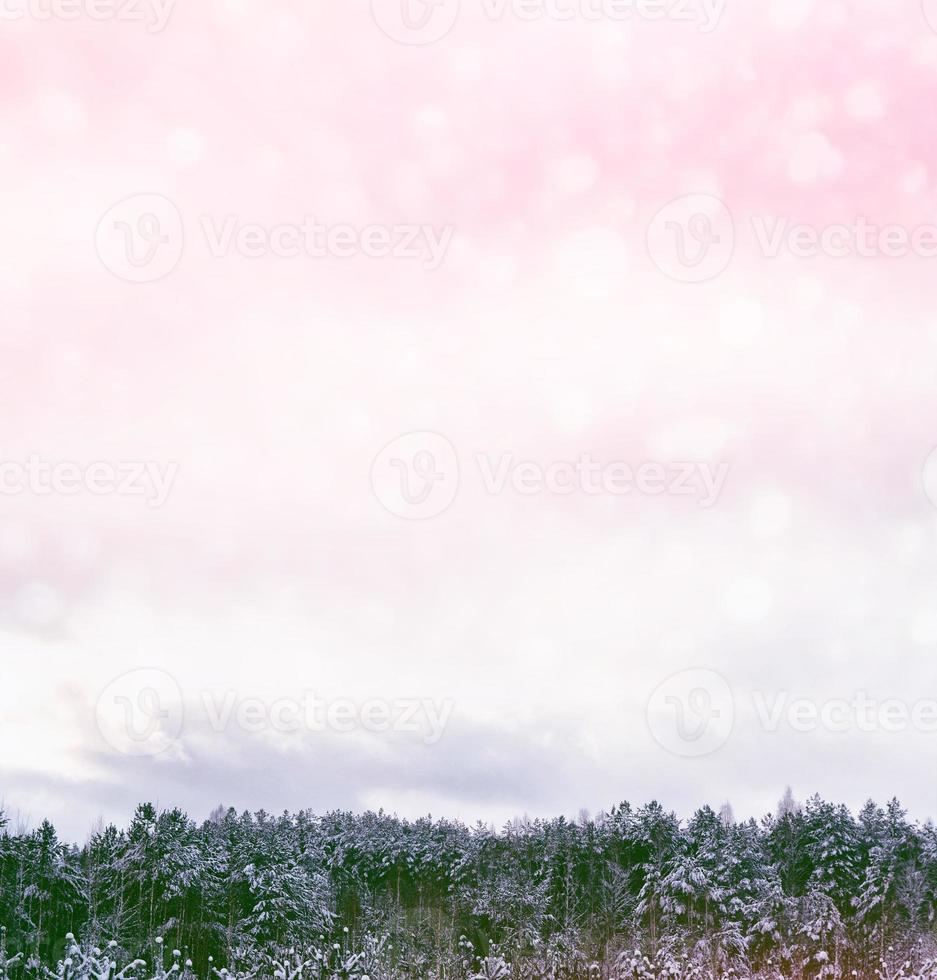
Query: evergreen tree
point(810, 892)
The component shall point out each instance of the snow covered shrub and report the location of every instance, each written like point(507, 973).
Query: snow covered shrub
point(6, 962)
point(565, 958)
point(91, 964)
point(492, 968)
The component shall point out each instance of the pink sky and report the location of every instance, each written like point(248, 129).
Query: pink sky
point(538, 155)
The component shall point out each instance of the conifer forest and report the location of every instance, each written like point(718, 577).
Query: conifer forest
point(810, 891)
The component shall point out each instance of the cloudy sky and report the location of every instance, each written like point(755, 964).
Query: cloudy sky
point(476, 414)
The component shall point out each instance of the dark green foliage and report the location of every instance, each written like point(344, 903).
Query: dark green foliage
point(809, 892)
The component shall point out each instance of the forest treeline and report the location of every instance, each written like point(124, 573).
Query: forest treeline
point(810, 891)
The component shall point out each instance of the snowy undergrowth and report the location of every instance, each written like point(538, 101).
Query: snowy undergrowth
point(83, 962)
